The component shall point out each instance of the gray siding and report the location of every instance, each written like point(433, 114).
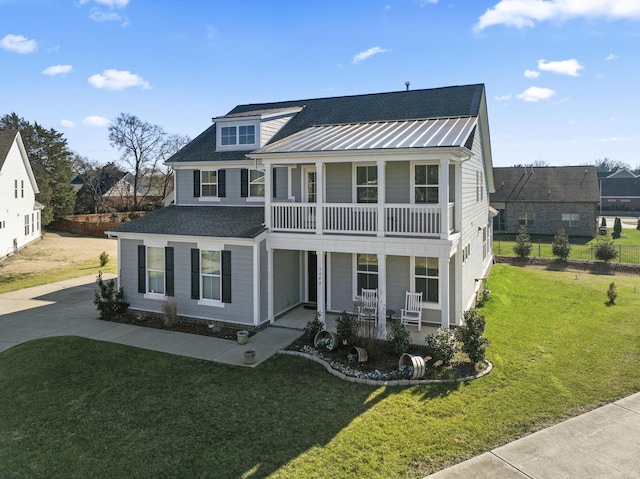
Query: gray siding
point(184, 180)
point(282, 183)
point(398, 281)
point(341, 282)
point(296, 183)
point(398, 182)
point(339, 183)
point(286, 280)
point(269, 128)
point(240, 310)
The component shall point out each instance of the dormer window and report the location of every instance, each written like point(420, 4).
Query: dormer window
point(237, 135)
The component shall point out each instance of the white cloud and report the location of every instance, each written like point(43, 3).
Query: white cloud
point(118, 80)
point(504, 97)
point(614, 139)
point(531, 74)
point(100, 16)
point(526, 13)
point(94, 120)
point(57, 70)
point(108, 3)
point(18, 44)
point(566, 67)
point(67, 124)
point(427, 2)
point(534, 94)
point(367, 53)
point(611, 56)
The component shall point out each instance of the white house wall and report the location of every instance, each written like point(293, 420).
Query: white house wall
point(13, 210)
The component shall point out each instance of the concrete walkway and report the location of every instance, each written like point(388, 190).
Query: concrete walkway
point(603, 443)
point(66, 308)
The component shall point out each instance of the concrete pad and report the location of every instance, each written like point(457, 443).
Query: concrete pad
point(603, 443)
point(631, 403)
point(117, 330)
point(153, 339)
point(15, 305)
point(485, 466)
point(203, 347)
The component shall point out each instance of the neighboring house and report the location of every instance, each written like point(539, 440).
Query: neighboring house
point(544, 199)
point(279, 204)
point(620, 191)
point(19, 210)
point(120, 195)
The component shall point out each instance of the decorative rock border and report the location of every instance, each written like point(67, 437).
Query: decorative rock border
point(390, 382)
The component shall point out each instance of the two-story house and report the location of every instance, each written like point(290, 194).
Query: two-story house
point(19, 210)
point(278, 204)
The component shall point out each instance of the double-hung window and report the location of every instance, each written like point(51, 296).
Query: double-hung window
point(570, 220)
point(366, 272)
point(425, 182)
point(228, 135)
point(366, 184)
point(209, 183)
point(155, 270)
point(237, 135)
point(526, 219)
point(256, 184)
point(426, 278)
point(211, 275)
point(26, 225)
point(246, 135)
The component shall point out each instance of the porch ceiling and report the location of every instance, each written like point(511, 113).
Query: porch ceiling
point(427, 133)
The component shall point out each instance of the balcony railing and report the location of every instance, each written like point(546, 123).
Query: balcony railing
point(355, 218)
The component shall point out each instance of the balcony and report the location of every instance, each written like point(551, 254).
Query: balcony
point(355, 218)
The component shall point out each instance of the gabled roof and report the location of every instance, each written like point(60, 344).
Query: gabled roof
point(215, 222)
point(435, 103)
point(622, 173)
point(552, 184)
point(7, 138)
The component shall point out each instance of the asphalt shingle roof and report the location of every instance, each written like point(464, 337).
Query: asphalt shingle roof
point(217, 222)
point(566, 184)
point(620, 187)
point(452, 101)
point(6, 140)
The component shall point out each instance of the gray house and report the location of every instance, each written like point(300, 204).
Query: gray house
point(544, 199)
point(620, 191)
point(310, 201)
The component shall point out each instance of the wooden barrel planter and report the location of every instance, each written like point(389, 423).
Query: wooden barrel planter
point(357, 355)
point(411, 367)
point(326, 340)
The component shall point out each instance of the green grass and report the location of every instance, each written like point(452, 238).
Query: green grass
point(14, 282)
point(80, 408)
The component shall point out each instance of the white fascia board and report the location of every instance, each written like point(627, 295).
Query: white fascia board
point(236, 118)
point(217, 165)
point(182, 238)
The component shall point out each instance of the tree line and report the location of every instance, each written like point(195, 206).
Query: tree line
point(143, 149)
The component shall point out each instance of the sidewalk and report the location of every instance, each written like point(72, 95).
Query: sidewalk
point(66, 308)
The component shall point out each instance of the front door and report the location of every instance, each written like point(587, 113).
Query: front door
point(309, 184)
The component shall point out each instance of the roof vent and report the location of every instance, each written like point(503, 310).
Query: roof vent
point(407, 83)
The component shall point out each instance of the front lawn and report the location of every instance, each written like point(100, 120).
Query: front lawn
point(80, 408)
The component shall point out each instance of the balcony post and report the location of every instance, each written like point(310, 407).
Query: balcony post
point(443, 198)
point(443, 282)
point(320, 296)
point(267, 196)
point(319, 199)
point(270, 285)
point(382, 297)
point(381, 198)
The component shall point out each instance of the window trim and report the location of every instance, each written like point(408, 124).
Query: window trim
point(251, 197)
point(367, 164)
point(425, 303)
point(237, 145)
point(355, 291)
point(150, 294)
point(413, 181)
point(209, 301)
point(570, 223)
point(527, 221)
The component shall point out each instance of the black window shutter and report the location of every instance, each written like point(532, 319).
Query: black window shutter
point(196, 183)
point(244, 183)
point(226, 276)
point(168, 271)
point(195, 273)
point(274, 183)
point(222, 183)
point(142, 269)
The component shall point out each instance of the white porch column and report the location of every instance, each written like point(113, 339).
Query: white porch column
point(443, 198)
point(444, 292)
point(320, 286)
point(270, 285)
point(256, 283)
point(319, 197)
point(267, 196)
point(382, 296)
point(381, 197)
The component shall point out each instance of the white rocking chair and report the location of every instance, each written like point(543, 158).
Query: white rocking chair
point(412, 312)
point(369, 305)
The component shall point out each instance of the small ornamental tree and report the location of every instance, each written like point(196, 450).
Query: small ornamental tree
point(612, 294)
point(523, 245)
point(617, 228)
point(605, 251)
point(560, 245)
point(109, 299)
point(470, 336)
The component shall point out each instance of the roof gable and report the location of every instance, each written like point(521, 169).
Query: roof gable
point(553, 184)
point(7, 139)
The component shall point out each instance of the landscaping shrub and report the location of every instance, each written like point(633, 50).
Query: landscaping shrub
point(612, 294)
point(470, 336)
point(441, 346)
point(170, 313)
point(523, 245)
point(347, 328)
point(605, 251)
point(108, 300)
point(399, 337)
point(560, 246)
point(104, 258)
point(312, 328)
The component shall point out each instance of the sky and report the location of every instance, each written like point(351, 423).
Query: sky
point(560, 75)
